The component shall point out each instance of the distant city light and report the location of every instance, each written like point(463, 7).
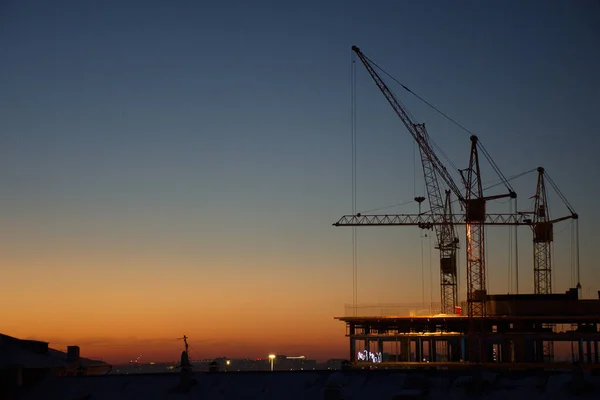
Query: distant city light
point(228, 362)
point(272, 358)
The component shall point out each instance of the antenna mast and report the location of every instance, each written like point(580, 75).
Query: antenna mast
point(184, 338)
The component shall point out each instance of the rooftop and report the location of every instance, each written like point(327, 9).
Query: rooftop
point(361, 384)
point(35, 354)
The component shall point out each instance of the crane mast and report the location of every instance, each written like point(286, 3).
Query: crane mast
point(448, 268)
point(447, 242)
point(543, 232)
point(542, 246)
point(475, 216)
point(543, 236)
point(475, 219)
point(542, 239)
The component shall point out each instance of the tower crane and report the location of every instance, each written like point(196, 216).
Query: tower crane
point(473, 203)
point(447, 241)
point(475, 215)
point(542, 251)
point(543, 234)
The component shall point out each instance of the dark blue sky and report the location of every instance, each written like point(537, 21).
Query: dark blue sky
point(195, 128)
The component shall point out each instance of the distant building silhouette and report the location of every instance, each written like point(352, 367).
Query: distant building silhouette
point(25, 362)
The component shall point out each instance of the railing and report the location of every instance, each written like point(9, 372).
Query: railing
point(392, 309)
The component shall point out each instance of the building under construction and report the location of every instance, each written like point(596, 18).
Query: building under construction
point(513, 328)
point(516, 329)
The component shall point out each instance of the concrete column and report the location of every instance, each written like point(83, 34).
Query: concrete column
point(519, 348)
point(351, 332)
point(489, 348)
point(539, 350)
point(589, 352)
point(419, 349)
point(529, 345)
point(472, 349)
point(432, 350)
point(454, 349)
point(580, 351)
point(506, 351)
point(596, 355)
point(405, 344)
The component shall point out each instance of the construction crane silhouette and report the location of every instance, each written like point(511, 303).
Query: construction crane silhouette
point(543, 233)
point(440, 216)
point(543, 237)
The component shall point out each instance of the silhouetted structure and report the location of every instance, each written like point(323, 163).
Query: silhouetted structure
point(25, 362)
point(186, 376)
point(515, 331)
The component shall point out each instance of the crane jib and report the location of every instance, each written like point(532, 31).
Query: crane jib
point(441, 212)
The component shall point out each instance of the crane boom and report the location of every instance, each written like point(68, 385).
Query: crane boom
point(417, 131)
point(447, 241)
point(428, 221)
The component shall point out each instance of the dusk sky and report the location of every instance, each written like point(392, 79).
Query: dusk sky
point(175, 167)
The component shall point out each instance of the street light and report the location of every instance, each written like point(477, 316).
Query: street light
point(272, 359)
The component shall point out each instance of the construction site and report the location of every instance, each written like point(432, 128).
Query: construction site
point(515, 330)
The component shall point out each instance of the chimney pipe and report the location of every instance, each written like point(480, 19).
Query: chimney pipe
point(72, 354)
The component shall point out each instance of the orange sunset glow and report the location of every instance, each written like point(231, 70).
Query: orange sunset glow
point(146, 311)
point(176, 168)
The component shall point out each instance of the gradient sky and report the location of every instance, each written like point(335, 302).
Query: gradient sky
point(174, 168)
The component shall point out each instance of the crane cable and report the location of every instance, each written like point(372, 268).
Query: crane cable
point(403, 203)
point(353, 139)
point(479, 144)
point(408, 112)
point(559, 193)
point(431, 280)
point(575, 269)
point(503, 179)
point(422, 275)
point(513, 177)
point(495, 167)
point(577, 275)
point(572, 251)
point(510, 252)
point(415, 170)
